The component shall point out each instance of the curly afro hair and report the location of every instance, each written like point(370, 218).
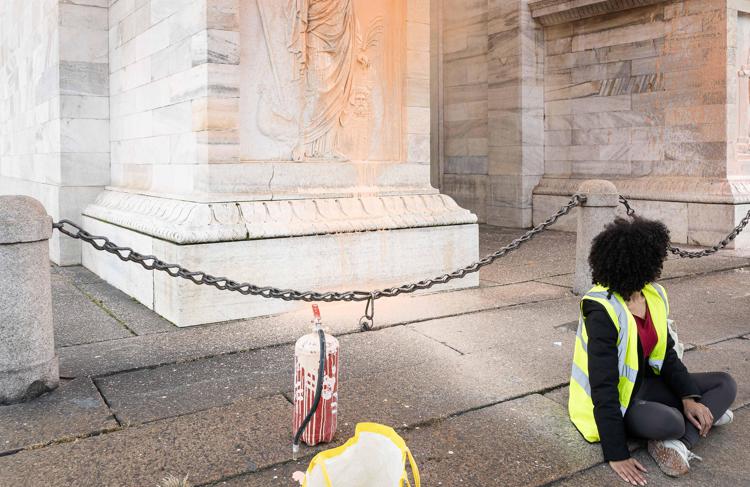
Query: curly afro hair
point(628, 254)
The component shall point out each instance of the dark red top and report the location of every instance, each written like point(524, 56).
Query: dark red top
point(646, 333)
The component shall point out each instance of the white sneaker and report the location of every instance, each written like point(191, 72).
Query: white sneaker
point(672, 456)
point(725, 418)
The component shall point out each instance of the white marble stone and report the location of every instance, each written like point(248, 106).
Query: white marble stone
point(316, 262)
point(128, 277)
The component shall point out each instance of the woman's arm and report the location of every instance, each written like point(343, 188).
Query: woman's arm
point(604, 378)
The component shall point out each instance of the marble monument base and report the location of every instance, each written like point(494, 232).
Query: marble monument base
point(367, 242)
point(697, 211)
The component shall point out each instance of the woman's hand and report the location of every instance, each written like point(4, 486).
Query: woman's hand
point(630, 471)
point(698, 414)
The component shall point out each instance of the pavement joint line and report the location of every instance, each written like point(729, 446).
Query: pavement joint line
point(106, 402)
point(61, 441)
point(701, 346)
point(209, 408)
point(286, 343)
point(445, 344)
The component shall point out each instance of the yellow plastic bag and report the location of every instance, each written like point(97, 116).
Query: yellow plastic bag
point(374, 457)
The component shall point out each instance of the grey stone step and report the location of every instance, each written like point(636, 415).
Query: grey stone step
point(205, 446)
point(74, 409)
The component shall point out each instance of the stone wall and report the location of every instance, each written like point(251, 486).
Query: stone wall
point(464, 103)
point(638, 93)
point(492, 108)
point(54, 132)
point(647, 97)
point(174, 90)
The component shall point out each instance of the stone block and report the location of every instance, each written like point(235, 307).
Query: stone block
point(130, 278)
point(184, 303)
point(708, 223)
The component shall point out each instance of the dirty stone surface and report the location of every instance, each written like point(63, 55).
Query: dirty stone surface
point(474, 380)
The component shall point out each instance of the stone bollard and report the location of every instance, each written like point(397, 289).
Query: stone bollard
point(598, 210)
point(28, 364)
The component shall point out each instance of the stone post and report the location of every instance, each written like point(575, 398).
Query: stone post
point(28, 364)
point(599, 209)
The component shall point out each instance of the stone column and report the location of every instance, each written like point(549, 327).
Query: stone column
point(515, 102)
point(599, 209)
point(28, 364)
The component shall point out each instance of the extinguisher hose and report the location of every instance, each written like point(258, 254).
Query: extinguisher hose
point(318, 393)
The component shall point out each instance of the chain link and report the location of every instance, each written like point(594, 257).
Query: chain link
point(698, 253)
point(151, 262)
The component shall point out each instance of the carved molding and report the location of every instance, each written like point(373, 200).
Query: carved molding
point(678, 189)
point(553, 12)
point(187, 222)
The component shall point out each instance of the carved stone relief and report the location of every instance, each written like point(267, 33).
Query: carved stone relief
point(321, 80)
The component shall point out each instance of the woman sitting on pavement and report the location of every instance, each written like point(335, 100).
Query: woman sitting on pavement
point(627, 379)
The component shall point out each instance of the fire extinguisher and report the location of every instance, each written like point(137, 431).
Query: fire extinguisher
point(316, 373)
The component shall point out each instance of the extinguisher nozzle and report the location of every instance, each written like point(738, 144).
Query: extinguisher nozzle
point(295, 451)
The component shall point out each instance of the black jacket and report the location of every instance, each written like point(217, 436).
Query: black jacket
point(604, 377)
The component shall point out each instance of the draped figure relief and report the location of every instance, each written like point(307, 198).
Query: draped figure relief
point(323, 85)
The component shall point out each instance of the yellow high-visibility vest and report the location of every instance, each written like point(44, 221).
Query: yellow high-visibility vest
point(580, 405)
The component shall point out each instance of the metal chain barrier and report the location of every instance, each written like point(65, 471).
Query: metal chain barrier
point(697, 253)
point(151, 262)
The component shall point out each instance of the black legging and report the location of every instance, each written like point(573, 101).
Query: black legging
point(655, 413)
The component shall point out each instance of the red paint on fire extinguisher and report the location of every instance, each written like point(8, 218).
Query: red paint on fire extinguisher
point(321, 425)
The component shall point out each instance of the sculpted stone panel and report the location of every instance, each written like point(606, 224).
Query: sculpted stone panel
point(321, 80)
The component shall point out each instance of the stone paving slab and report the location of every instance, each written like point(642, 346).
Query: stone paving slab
point(206, 446)
point(725, 460)
point(532, 325)
point(170, 390)
point(204, 341)
point(72, 410)
point(532, 260)
point(711, 308)
point(732, 356)
point(78, 320)
point(137, 317)
point(528, 441)
point(438, 389)
point(78, 275)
